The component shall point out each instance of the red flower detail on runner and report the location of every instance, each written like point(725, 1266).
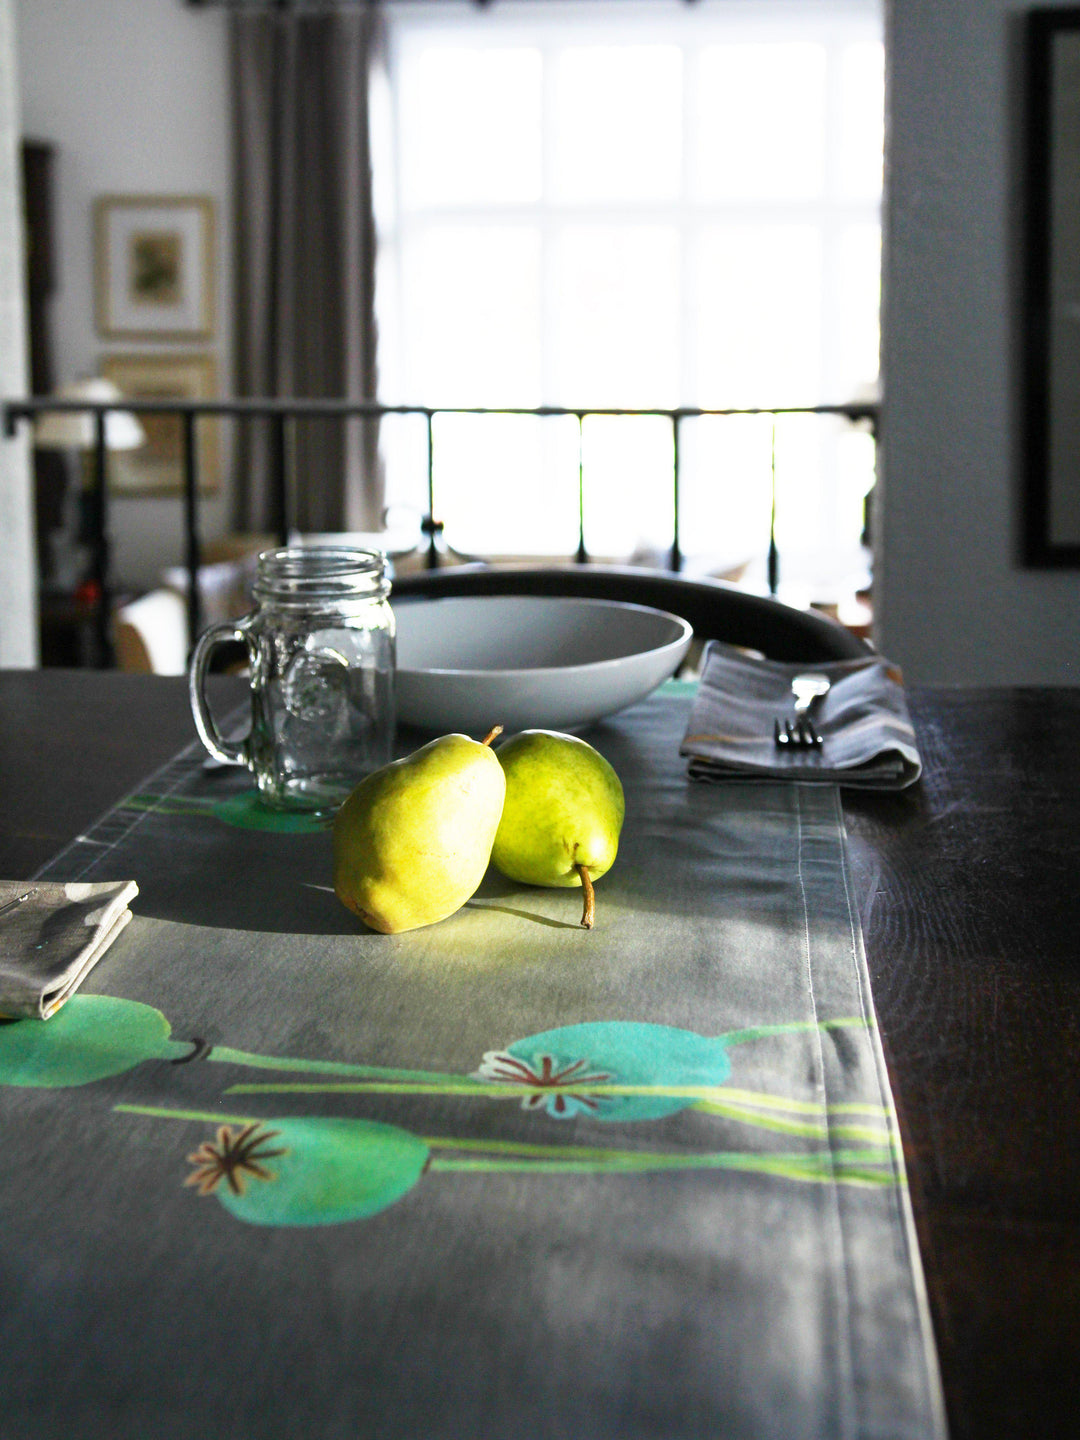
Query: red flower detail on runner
point(547, 1077)
point(232, 1159)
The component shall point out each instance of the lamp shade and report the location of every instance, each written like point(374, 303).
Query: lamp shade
point(75, 429)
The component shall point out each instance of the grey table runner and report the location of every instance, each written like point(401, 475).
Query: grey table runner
point(270, 1175)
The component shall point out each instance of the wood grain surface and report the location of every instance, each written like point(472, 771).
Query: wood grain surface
point(969, 890)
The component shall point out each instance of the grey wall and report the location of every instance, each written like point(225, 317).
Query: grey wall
point(18, 626)
point(953, 605)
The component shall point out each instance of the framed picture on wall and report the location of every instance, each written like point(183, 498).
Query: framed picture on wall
point(154, 263)
point(1051, 415)
point(157, 467)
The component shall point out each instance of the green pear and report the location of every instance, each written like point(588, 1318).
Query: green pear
point(562, 815)
point(413, 840)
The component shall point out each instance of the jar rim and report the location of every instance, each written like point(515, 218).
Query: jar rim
point(321, 559)
point(310, 572)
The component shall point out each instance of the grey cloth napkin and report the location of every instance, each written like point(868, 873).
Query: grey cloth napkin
point(51, 937)
point(868, 737)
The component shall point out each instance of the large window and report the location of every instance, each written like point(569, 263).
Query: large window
point(630, 205)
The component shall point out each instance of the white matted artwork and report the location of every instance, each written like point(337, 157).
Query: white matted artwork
point(157, 467)
point(154, 259)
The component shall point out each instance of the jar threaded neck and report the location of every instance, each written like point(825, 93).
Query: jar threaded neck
point(306, 574)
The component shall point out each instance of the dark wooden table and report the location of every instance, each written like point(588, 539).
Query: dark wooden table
point(969, 888)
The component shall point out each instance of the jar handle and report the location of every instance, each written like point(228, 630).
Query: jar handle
point(227, 751)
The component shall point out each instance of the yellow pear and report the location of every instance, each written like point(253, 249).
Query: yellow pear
point(562, 816)
point(413, 840)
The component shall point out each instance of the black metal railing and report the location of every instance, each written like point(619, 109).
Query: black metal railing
point(280, 414)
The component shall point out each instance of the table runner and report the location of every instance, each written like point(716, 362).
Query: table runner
point(272, 1175)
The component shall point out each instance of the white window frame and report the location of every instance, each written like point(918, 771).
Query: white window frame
point(547, 26)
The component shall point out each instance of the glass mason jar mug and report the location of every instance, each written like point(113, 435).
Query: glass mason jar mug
point(321, 645)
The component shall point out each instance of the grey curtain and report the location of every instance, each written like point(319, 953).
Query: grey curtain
point(305, 260)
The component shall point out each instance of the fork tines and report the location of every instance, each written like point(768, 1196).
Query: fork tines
point(801, 734)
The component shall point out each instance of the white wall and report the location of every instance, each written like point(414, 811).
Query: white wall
point(18, 622)
point(133, 94)
point(953, 603)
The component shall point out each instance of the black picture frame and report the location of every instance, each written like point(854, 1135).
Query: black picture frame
point(1051, 301)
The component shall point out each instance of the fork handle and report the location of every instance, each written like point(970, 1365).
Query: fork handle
point(804, 705)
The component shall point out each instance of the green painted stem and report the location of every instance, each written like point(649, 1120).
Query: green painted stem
point(168, 804)
point(713, 1099)
point(492, 1089)
point(759, 1032)
point(762, 1100)
point(602, 1154)
point(208, 1116)
point(461, 1084)
point(820, 1169)
point(510, 1157)
point(224, 1054)
point(702, 1098)
point(779, 1126)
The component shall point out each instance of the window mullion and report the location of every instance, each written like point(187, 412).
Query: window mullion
point(688, 232)
point(547, 224)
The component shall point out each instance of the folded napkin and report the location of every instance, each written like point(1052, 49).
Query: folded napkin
point(868, 737)
point(51, 937)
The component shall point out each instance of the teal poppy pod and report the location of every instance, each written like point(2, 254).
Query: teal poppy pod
point(560, 1065)
point(90, 1038)
point(308, 1171)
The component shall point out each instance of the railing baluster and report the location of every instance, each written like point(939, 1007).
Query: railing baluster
point(675, 559)
point(191, 526)
point(430, 526)
point(582, 555)
point(773, 563)
point(280, 476)
point(99, 565)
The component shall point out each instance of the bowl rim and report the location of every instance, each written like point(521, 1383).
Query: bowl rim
point(544, 670)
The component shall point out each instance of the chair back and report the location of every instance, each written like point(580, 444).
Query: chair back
point(150, 634)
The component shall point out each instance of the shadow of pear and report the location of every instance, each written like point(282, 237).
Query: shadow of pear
point(496, 888)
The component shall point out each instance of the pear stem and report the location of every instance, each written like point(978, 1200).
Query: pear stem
point(496, 730)
point(588, 914)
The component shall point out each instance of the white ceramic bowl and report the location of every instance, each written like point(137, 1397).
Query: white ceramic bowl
point(528, 662)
